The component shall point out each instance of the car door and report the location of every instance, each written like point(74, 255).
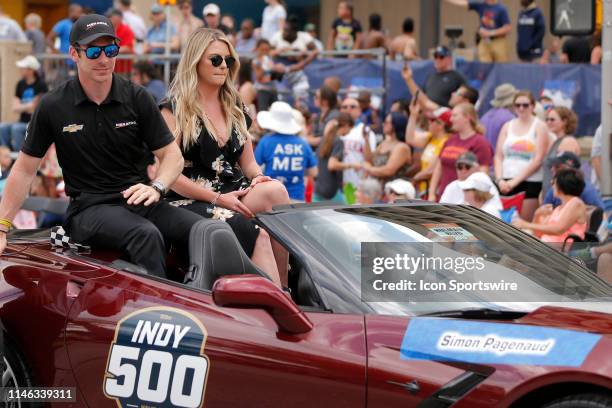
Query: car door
point(394, 381)
point(38, 288)
point(230, 356)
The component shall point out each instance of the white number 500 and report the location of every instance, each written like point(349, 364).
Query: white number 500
point(146, 391)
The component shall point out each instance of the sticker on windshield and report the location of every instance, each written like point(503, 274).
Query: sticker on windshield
point(157, 359)
point(494, 343)
point(449, 232)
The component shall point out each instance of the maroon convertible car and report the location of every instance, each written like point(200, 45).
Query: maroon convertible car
point(223, 335)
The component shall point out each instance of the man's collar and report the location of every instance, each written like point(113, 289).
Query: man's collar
point(115, 93)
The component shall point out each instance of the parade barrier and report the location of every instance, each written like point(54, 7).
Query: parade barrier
point(577, 86)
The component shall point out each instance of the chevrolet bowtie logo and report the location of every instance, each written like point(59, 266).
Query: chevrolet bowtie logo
point(72, 128)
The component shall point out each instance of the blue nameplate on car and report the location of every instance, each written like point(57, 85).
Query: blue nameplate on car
point(494, 343)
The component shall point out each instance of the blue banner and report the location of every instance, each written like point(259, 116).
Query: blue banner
point(494, 343)
point(578, 84)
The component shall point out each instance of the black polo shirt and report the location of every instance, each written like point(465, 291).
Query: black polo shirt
point(101, 148)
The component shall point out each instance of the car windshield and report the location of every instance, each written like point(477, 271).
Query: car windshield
point(545, 275)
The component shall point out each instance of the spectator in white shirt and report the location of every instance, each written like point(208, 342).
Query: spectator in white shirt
point(466, 165)
point(10, 29)
point(477, 193)
point(273, 19)
point(132, 19)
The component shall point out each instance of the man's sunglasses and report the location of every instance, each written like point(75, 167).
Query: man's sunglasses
point(349, 106)
point(94, 52)
point(462, 166)
point(216, 60)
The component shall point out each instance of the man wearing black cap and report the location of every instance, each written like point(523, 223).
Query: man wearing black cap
point(104, 128)
point(440, 85)
point(590, 195)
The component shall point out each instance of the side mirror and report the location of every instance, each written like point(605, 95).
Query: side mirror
point(251, 291)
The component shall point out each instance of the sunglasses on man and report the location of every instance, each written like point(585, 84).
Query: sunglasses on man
point(94, 52)
point(216, 60)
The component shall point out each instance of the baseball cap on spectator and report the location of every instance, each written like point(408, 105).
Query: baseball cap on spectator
point(401, 187)
point(468, 158)
point(568, 159)
point(443, 114)
point(477, 181)
point(29, 62)
point(211, 8)
point(157, 9)
point(504, 96)
point(90, 27)
point(442, 51)
point(310, 27)
point(113, 12)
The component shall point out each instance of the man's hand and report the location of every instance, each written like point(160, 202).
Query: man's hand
point(484, 33)
point(141, 193)
point(407, 72)
point(2, 242)
point(231, 201)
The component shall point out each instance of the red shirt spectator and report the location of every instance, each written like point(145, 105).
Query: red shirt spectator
point(126, 40)
point(455, 147)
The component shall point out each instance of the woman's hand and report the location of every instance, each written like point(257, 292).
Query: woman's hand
point(519, 223)
point(504, 186)
point(231, 201)
point(260, 179)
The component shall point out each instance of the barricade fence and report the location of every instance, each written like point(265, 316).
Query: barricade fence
point(574, 85)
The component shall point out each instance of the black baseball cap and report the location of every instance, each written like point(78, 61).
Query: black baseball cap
point(442, 51)
point(90, 27)
point(568, 159)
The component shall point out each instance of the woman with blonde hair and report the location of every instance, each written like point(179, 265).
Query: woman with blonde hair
point(221, 178)
point(468, 137)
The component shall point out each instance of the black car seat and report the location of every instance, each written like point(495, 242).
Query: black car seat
point(214, 252)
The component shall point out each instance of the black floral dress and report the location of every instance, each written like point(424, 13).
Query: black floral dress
point(216, 168)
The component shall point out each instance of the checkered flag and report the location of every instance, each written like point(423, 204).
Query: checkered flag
point(59, 238)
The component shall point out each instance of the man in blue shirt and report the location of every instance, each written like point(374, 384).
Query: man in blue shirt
point(530, 31)
point(62, 29)
point(494, 28)
point(156, 36)
point(590, 195)
point(284, 155)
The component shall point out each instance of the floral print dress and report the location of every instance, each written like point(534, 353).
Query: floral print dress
point(216, 168)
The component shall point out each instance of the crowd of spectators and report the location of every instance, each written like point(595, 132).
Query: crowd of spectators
point(341, 146)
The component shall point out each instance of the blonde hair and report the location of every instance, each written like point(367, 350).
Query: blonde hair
point(468, 110)
point(33, 19)
point(184, 95)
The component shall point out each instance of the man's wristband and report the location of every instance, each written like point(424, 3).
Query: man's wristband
point(5, 225)
point(159, 187)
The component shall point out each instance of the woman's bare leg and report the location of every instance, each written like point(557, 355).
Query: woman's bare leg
point(262, 198)
point(263, 256)
point(530, 205)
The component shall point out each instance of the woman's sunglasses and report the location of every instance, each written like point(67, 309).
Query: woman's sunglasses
point(216, 60)
point(522, 105)
point(94, 52)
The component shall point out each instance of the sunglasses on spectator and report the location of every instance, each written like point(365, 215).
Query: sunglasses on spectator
point(438, 56)
point(216, 60)
point(551, 119)
point(349, 106)
point(94, 52)
point(462, 166)
point(522, 105)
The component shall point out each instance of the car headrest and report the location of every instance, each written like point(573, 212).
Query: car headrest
point(214, 252)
